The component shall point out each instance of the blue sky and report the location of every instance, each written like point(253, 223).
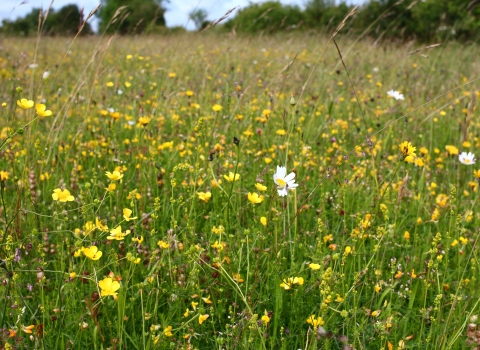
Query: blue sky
point(177, 14)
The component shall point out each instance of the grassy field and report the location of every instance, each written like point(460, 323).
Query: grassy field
point(147, 211)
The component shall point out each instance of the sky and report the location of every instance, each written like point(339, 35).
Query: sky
point(176, 15)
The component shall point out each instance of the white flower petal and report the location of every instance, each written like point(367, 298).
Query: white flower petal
point(289, 177)
point(282, 191)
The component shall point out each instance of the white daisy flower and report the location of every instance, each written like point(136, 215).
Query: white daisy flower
point(396, 95)
point(284, 182)
point(467, 158)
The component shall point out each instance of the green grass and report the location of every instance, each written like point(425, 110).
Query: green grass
point(289, 102)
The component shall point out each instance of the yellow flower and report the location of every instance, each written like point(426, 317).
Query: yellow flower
point(452, 150)
point(217, 246)
point(314, 266)
point(476, 173)
point(144, 121)
point(163, 244)
point(25, 104)
point(186, 313)
point(202, 318)
point(117, 234)
point(108, 287)
point(101, 226)
point(194, 305)
point(62, 196)
point(265, 319)
point(237, 277)
point(281, 132)
point(111, 187)
point(207, 300)
point(127, 213)
point(231, 177)
point(289, 282)
point(263, 221)
point(217, 108)
point(4, 175)
point(315, 321)
point(172, 75)
point(255, 198)
point(92, 252)
point(406, 235)
point(408, 151)
point(168, 331)
point(348, 250)
point(42, 110)
point(28, 329)
point(204, 196)
point(115, 176)
point(260, 187)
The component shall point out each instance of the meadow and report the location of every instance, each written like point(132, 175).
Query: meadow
point(144, 203)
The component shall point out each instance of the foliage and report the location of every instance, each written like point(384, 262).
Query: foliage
point(268, 17)
point(66, 21)
point(199, 18)
point(142, 205)
point(137, 16)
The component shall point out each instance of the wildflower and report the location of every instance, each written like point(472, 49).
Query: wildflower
point(217, 246)
point(12, 333)
point(231, 177)
point(100, 225)
point(281, 132)
point(463, 240)
point(263, 221)
point(117, 234)
point(265, 319)
point(62, 196)
point(4, 175)
point(217, 108)
point(207, 300)
point(115, 176)
point(377, 288)
point(42, 110)
point(108, 287)
point(237, 277)
point(25, 104)
point(144, 121)
point(348, 250)
point(127, 213)
point(111, 187)
point(408, 151)
point(476, 173)
point(194, 305)
point(260, 187)
point(204, 196)
point(92, 252)
point(315, 321)
point(172, 75)
point(186, 313)
point(284, 182)
point(168, 331)
point(406, 235)
point(396, 95)
point(289, 282)
point(28, 329)
point(467, 158)
point(314, 266)
point(163, 244)
point(202, 318)
point(452, 150)
point(255, 198)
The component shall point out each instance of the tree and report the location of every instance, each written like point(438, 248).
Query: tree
point(199, 17)
point(137, 16)
point(67, 21)
point(270, 16)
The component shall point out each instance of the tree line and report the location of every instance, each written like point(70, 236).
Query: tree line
point(422, 20)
